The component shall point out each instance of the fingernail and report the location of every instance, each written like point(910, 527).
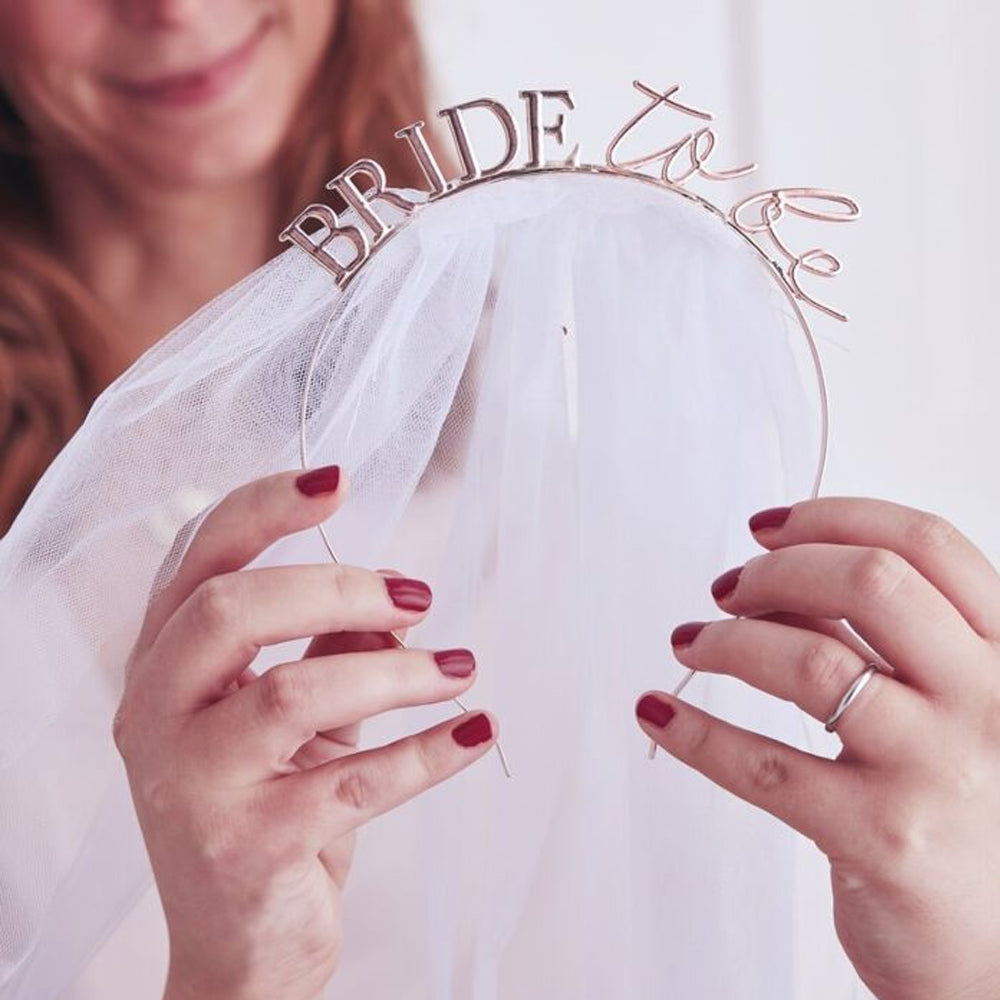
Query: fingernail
point(773, 517)
point(685, 634)
point(410, 595)
point(319, 482)
point(654, 710)
point(726, 583)
point(455, 662)
point(473, 731)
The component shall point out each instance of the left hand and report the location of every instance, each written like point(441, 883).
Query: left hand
point(909, 812)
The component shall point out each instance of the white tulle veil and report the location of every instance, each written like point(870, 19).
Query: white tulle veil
point(559, 398)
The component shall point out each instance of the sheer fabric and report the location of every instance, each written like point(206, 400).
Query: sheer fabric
point(559, 398)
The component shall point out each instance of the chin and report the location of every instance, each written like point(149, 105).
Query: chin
point(223, 155)
point(200, 138)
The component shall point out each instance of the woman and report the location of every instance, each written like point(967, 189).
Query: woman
point(152, 143)
point(160, 147)
point(161, 150)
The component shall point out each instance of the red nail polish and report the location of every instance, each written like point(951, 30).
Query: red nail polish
point(473, 731)
point(319, 482)
point(685, 634)
point(455, 662)
point(410, 595)
point(773, 517)
point(726, 583)
point(654, 710)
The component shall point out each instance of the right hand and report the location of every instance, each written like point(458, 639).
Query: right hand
point(249, 789)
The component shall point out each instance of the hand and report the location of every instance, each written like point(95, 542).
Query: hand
point(909, 812)
point(248, 789)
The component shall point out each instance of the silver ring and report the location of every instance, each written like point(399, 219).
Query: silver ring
point(851, 693)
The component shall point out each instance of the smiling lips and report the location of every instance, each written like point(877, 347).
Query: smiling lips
point(196, 86)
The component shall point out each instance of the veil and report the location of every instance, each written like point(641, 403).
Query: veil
point(558, 398)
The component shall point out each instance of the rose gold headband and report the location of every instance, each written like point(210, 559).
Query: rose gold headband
point(343, 246)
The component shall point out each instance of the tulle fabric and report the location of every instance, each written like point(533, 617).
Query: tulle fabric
point(558, 398)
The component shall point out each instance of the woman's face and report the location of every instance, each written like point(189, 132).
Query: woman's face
point(175, 92)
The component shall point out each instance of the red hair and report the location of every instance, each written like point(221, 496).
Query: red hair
point(58, 347)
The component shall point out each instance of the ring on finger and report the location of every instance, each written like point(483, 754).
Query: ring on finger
point(857, 686)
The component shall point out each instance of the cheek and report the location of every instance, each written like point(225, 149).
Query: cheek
point(50, 33)
point(46, 50)
point(310, 27)
point(242, 132)
point(303, 32)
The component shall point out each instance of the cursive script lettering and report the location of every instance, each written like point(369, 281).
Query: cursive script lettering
point(342, 244)
point(699, 145)
point(761, 213)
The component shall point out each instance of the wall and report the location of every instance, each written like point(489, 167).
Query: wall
point(890, 102)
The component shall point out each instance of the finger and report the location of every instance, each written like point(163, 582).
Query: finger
point(811, 794)
point(813, 671)
point(331, 643)
point(256, 732)
point(331, 742)
point(221, 627)
point(244, 524)
point(322, 748)
point(350, 642)
point(838, 630)
point(891, 606)
point(929, 543)
point(358, 642)
point(335, 798)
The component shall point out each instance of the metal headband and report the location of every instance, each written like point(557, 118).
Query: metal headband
point(344, 245)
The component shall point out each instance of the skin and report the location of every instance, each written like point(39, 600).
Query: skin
point(251, 839)
point(159, 185)
point(908, 812)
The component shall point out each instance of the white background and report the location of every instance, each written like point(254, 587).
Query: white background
point(891, 101)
